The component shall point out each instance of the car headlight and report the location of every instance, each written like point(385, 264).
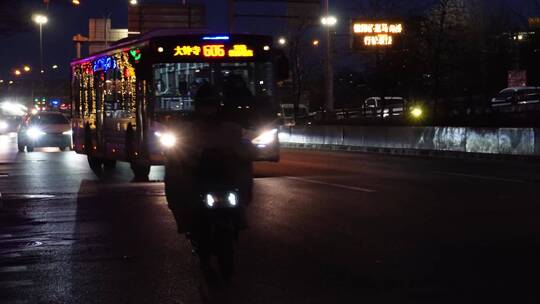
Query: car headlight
point(69, 132)
point(210, 200)
point(233, 199)
point(168, 140)
point(417, 112)
point(3, 125)
point(265, 138)
point(34, 133)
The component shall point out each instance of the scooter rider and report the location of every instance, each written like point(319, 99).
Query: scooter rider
point(208, 128)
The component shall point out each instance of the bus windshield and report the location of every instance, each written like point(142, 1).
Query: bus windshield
point(240, 83)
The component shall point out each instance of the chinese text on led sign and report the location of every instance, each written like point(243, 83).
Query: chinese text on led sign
point(377, 33)
point(214, 50)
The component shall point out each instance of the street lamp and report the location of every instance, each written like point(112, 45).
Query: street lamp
point(133, 2)
point(282, 41)
point(329, 21)
point(76, 2)
point(55, 67)
point(41, 20)
point(17, 72)
point(26, 68)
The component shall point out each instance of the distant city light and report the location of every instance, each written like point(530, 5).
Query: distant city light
point(133, 2)
point(17, 72)
point(266, 48)
point(160, 49)
point(55, 67)
point(316, 42)
point(26, 68)
point(76, 2)
point(282, 41)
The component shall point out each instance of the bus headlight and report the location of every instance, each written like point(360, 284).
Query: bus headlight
point(34, 133)
point(3, 125)
point(265, 138)
point(168, 140)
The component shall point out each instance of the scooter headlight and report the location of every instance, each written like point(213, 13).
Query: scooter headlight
point(168, 140)
point(34, 133)
point(266, 138)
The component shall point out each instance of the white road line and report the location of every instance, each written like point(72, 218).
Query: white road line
point(13, 269)
point(483, 177)
point(13, 284)
point(307, 180)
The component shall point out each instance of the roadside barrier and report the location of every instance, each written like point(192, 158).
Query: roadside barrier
point(504, 141)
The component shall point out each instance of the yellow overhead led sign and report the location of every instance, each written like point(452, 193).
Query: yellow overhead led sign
point(375, 34)
point(213, 51)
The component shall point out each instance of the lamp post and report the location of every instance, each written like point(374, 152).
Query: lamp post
point(41, 20)
point(328, 22)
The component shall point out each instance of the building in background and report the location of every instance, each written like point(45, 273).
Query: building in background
point(143, 18)
point(101, 35)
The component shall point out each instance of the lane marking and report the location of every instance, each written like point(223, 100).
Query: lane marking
point(312, 181)
point(13, 269)
point(498, 179)
point(13, 284)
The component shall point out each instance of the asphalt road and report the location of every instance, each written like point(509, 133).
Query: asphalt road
point(324, 228)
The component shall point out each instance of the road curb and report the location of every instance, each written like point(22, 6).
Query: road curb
point(411, 152)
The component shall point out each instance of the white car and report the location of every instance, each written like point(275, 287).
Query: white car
point(517, 96)
point(392, 106)
point(45, 129)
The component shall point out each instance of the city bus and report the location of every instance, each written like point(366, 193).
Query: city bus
point(123, 96)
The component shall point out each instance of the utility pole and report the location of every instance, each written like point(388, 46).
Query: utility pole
point(328, 23)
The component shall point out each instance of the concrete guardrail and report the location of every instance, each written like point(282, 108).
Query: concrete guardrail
point(504, 141)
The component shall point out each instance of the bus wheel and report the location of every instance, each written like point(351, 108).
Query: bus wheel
point(140, 171)
point(95, 164)
point(29, 149)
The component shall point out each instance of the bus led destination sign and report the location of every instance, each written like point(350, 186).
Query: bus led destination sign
point(213, 51)
point(375, 34)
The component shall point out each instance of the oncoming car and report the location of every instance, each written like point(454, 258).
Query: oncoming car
point(45, 130)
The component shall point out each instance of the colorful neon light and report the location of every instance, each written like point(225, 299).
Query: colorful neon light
point(240, 50)
point(136, 54)
point(104, 64)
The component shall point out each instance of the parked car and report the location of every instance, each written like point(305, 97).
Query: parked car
point(45, 129)
point(517, 96)
point(390, 106)
point(9, 124)
point(287, 113)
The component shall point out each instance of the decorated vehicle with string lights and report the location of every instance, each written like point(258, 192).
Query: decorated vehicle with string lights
point(122, 97)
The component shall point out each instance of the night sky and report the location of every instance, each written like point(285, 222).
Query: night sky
point(66, 21)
